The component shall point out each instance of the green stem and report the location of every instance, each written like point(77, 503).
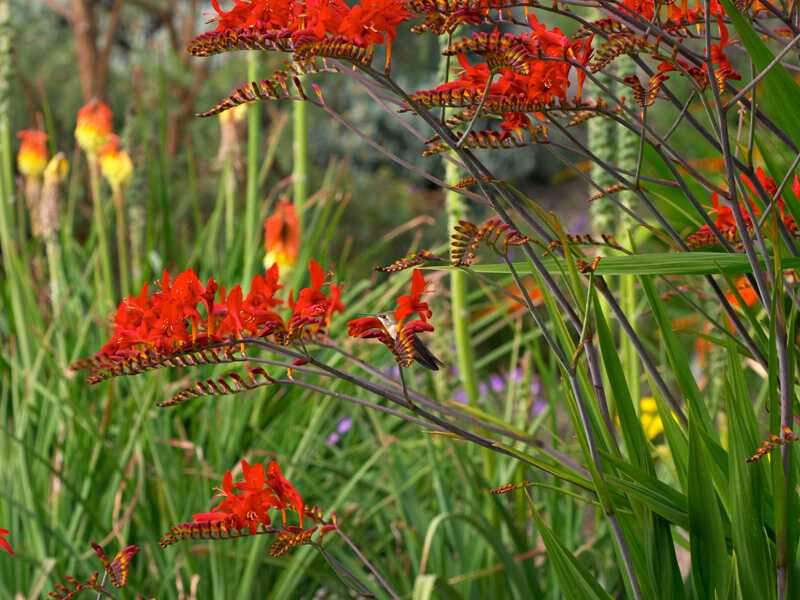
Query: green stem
point(252, 239)
point(229, 181)
point(627, 157)
point(457, 210)
point(107, 293)
point(122, 242)
point(137, 243)
point(300, 158)
point(54, 267)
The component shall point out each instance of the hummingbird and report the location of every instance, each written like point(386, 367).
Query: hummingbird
point(421, 353)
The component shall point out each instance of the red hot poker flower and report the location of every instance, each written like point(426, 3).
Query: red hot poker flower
point(282, 236)
point(32, 155)
point(4, 544)
point(94, 125)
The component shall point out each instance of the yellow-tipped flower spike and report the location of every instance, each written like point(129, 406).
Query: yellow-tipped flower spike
point(32, 155)
point(94, 125)
point(57, 169)
point(115, 164)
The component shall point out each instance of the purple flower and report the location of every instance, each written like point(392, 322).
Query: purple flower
point(344, 425)
point(496, 383)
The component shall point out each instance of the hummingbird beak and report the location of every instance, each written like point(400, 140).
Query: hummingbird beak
point(367, 314)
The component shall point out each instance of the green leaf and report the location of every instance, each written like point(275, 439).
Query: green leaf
point(576, 582)
point(747, 485)
point(710, 562)
point(427, 587)
point(677, 357)
point(657, 263)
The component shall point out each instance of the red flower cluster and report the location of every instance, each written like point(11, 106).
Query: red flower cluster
point(185, 314)
point(725, 221)
point(527, 70)
point(365, 24)
point(396, 331)
point(4, 545)
point(678, 13)
point(247, 503)
point(245, 508)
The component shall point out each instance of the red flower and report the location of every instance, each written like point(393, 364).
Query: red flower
point(313, 310)
point(725, 222)
point(186, 315)
point(746, 291)
point(373, 22)
point(724, 70)
point(411, 304)
point(287, 495)
point(4, 543)
point(364, 24)
point(246, 504)
point(540, 82)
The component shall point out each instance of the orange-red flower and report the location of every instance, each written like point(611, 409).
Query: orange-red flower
point(4, 545)
point(94, 126)
point(364, 24)
point(185, 315)
point(32, 155)
point(724, 70)
point(746, 291)
point(314, 309)
point(282, 236)
point(725, 222)
point(248, 502)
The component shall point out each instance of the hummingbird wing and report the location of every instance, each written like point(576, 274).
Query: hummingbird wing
point(424, 356)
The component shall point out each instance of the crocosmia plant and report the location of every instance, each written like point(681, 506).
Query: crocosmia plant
point(513, 314)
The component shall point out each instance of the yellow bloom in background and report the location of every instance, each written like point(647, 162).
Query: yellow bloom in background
point(57, 169)
point(237, 114)
point(45, 214)
point(94, 126)
point(649, 417)
point(115, 164)
point(32, 155)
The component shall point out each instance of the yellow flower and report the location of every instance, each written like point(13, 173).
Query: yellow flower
point(649, 417)
point(57, 169)
point(115, 164)
point(236, 114)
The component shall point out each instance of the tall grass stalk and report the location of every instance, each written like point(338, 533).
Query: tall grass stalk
point(456, 209)
point(251, 212)
point(106, 292)
point(626, 150)
point(122, 240)
point(7, 244)
point(300, 158)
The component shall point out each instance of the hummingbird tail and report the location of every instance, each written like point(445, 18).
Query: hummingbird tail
point(424, 356)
